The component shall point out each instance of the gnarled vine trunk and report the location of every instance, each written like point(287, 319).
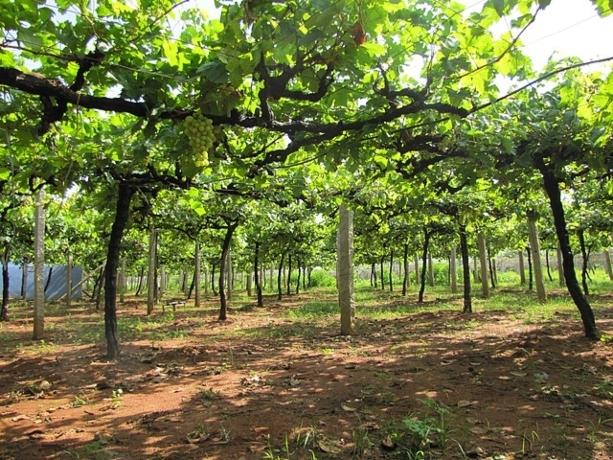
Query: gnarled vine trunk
point(280, 276)
point(122, 213)
point(552, 188)
point(223, 304)
point(391, 269)
point(485, 288)
point(405, 265)
point(468, 306)
point(256, 272)
point(522, 270)
point(4, 310)
point(424, 263)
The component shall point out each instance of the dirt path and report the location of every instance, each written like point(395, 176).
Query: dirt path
point(490, 386)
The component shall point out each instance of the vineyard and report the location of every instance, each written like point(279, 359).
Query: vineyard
point(328, 229)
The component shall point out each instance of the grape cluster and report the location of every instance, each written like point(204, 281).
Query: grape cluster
point(201, 136)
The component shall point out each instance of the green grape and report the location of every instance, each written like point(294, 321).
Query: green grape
point(200, 134)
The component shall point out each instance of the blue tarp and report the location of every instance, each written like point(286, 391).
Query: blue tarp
point(56, 287)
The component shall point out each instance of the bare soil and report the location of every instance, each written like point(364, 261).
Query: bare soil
point(262, 384)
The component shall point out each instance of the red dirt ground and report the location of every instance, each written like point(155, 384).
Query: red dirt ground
point(240, 389)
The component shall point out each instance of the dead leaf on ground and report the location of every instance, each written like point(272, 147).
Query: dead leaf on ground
point(329, 446)
point(388, 443)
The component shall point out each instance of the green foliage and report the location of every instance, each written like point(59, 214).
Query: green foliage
point(322, 278)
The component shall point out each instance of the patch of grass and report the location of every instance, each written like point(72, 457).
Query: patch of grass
point(301, 442)
point(39, 347)
point(419, 437)
point(207, 395)
point(79, 400)
point(95, 450)
point(314, 310)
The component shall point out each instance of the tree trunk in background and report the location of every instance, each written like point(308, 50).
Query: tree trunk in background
point(547, 265)
point(249, 285)
point(197, 274)
point(476, 277)
point(390, 272)
point(39, 265)
point(453, 276)
point(530, 277)
point(468, 307)
point(100, 289)
point(262, 277)
point(536, 257)
point(48, 282)
point(155, 271)
point(24, 280)
point(424, 263)
point(552, 188)
point(289, 274)
point(490, 265)
point(430, 270)
point(213, 279)
point(280, 276)
point(4, 310)
point(140, 281)
point(205, 279)
point(382, 275)
point(405, 265)
point(522, 270)
point(256, 272)
point(561, 280)
point(192, 283)
point(607, 264)
point(299, 277)
point(584, 260)
point(373, 275)
point(68, 279)
point(416, 263)
point(345, 264)
point(122, 213)
point(223, 305)
point(229, 274)
point(163, 281)
point(310, 281)
point(151, 270)
point(485, 287)
point(304, 277)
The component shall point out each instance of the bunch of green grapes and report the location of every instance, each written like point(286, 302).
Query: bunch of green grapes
point(201, 136)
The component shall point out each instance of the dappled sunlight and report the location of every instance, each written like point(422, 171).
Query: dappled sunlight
point(229, 389)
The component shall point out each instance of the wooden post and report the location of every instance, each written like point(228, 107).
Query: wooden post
point(452, 271)
point(151, 271)
point(24, 281)
point(345, 269)
point(522, 270)
point(197, 274)
point(535, 249)
point(229, 275)
point(39, 265)
point(607, 263)
point(68, 279)
point(485, 287)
